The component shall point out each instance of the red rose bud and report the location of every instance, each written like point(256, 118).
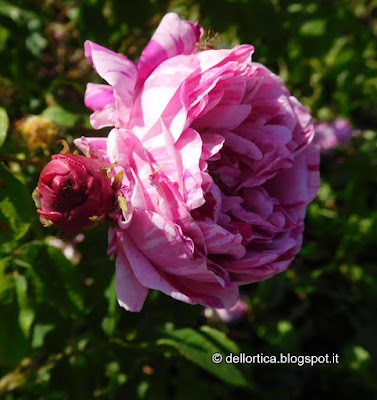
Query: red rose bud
point(73, 192)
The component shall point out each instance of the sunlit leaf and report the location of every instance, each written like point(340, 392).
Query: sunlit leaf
point(26, 314)
point(315, 27)
point(4, 125)
point(16, 207)
point(199, 346)
point(55, 277)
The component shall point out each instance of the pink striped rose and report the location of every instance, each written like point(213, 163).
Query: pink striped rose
point(217, 166)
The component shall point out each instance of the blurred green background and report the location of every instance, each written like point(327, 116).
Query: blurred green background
point(62, 334)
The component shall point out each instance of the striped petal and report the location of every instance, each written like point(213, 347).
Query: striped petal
point(119, 72)
point(172, 37)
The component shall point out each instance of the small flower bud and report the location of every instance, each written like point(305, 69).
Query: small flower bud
point(72, 189)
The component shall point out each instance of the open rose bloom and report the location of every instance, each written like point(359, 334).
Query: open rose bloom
point(217, 166)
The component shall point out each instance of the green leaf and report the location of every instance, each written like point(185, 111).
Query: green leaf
point(55, 278)
point(26, 314)
point(4, 125)
point(19, 15)
point(39, 333)
point(16, 207)
point(14, 345)
point(4, 36)
point(36, 43)
point(315, 27)
point(6, 283)
point(6, 289)
point(110, 321)
point(198, 346)
point(60, 116)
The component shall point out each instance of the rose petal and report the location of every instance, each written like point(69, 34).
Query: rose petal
point(220, 241)
point(172, 37)
point(131, 293)
point(119, 72)
point(98, 96)
point(299, 184)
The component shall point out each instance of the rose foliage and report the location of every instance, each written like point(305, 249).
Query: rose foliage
point(217, 166)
